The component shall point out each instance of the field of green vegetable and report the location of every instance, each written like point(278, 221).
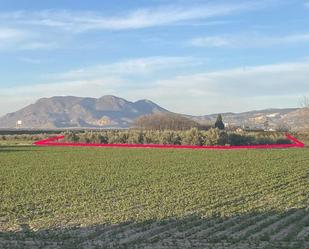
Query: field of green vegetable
point(152, 198)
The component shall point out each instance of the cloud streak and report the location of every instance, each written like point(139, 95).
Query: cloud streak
point(276, 85)
point(7, 34)
point(133, 67)
point(115, 78)
point(52, 29)
point(238, 89)
point(248, 40)
point(19, 39)
point(137, 19)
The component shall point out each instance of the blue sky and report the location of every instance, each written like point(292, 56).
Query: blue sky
point(189, 56)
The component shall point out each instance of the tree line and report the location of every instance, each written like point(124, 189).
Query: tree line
point(175, 122)
point(213, 136)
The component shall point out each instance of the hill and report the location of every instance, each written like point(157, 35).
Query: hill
point(289, 117)
point(114, 112)
point(73, 112)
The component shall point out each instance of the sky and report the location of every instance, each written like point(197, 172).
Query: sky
point(189, 56)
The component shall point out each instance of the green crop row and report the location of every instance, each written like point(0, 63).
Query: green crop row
point(129, 198)
point(49, 185)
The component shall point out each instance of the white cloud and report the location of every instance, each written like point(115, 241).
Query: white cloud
point(37, 45)
point(14, 98)
point(238, 89)
point(248, 40)
point(7, 34)
point(92, 81)
point(19, 39)
point(132, 67)
point(212, 41)
point(29, 60)
point(50, 29)
point(10, 104)
point(74, 87)
point(140, 18)
point(268, 80)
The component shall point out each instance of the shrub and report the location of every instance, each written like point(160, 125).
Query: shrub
point(176, 139)
point(72, 137)
point(84, 138)
point(151, 137)
point(192, 137)
point(123, 137)
point(215, 137)
point(237, 139)
point(283, 141)
point(113, 137)
point(169, 137)
point(136, 138)
point(104, 138)
point(265, 140)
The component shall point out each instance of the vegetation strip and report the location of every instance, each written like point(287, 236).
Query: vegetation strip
point(53, 141)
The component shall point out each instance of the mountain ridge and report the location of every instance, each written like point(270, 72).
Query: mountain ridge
point(110, 111)
point(71, 112)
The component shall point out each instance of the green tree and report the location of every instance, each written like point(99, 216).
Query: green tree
point(192, 137)
point(219, 123)
point(165, 121)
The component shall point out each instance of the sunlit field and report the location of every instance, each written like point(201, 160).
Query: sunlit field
point(152, 198)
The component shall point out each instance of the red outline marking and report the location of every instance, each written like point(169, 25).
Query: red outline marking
point(53, 142)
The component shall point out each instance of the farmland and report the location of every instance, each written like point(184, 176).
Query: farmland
point(150, 198)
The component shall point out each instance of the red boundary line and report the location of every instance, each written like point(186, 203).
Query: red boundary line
point(53, 141)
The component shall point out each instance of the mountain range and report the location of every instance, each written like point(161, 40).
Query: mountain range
point(114, 112)
point(73, 112)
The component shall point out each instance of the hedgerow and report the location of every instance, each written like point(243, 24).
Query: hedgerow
point(193, 136)
point(21, 139)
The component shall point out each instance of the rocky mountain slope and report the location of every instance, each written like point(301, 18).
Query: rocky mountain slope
point(73, 112)
point(113, 112)
point(268, 118)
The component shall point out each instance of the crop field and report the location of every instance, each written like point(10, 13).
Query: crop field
point(53, 197)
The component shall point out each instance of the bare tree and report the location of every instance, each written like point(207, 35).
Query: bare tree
point(283, 127)
point(165, 121)
point(304, 104)
point(266, 124)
